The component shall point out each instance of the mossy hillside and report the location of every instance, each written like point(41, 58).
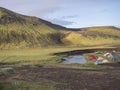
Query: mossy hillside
point(104, 31)
point(20, 31)
point(94, 36)
point(25, 31)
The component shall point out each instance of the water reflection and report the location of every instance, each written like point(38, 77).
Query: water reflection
point(74, 59)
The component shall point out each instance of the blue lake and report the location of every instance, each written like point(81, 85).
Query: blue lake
point(74, 59)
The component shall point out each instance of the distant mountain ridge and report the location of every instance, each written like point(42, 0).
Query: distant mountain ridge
point(20, 31)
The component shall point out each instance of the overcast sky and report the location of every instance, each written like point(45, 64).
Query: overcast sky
point(69, 13)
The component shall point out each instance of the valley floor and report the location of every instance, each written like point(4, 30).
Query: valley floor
point(46, 73)
point(65, 78)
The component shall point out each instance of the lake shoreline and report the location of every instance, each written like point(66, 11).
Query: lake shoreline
point(80, 52)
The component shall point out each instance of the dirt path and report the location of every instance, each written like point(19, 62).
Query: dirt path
point(73, 79)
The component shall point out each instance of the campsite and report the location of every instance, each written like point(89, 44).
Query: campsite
point(52, 75)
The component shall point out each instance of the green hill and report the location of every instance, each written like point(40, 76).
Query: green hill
point(94, 36)
point(23, 31)
point(20, 31)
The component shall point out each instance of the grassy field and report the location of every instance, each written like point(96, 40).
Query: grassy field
point(34, 54)
point(37, 56)
point(31, 55)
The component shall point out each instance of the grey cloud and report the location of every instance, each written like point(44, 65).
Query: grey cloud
point(61, 22)
point(30, 7)
point(68, 17)
point(44, 11)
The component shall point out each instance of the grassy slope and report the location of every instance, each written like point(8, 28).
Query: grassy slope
point(94, 36)
point(23, 31)
point(19, 31)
